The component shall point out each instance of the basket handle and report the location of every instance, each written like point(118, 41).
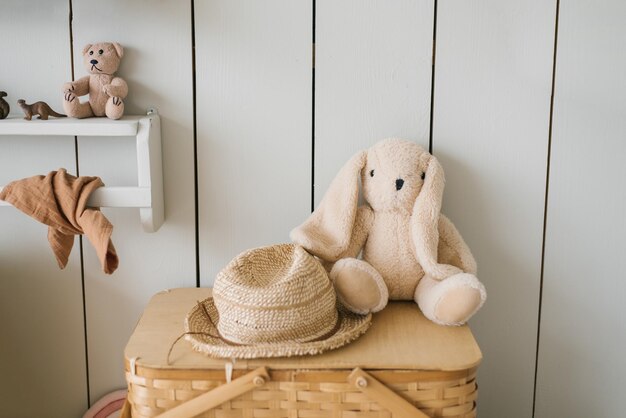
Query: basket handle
point(387, 398)
point(219, 395)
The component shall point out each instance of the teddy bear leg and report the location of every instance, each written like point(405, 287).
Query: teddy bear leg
point(451, 301)
point(114, 108)
point(360, 288)
point(74, 108)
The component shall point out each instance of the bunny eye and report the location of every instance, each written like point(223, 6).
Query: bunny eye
point(372, 173)
point(423, 175)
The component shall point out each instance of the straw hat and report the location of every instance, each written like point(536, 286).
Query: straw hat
point(272, 301)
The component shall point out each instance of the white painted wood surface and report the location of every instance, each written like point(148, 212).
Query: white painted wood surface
point(148, 195)
point(254, 125)
point(16, 125)
point(41, 307)
point(582, 367)
point(372, 78)
point(491, 117)
point(113, 197)
point(157, 67)
point(255, 155)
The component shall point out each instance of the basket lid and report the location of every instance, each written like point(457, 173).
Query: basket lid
point(400, 338)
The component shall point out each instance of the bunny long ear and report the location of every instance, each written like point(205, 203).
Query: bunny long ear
point(328, 231)
point(425, 218)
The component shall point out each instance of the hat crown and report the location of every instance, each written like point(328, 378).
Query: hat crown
point(274, 294)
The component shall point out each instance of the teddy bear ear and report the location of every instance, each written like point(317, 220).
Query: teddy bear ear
point(118, 49)
point(86, 48)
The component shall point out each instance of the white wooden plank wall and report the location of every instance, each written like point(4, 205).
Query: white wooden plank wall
point(491, 119)
point(582, 367)
point(269, 126)
point(41, 307)
point(254, 125)
point(364, 70)
point(157, 66)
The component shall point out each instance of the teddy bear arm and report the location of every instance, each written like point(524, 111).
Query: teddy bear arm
point(452, 249)
point(118, 88)
point(361, 229)
point(80, 86)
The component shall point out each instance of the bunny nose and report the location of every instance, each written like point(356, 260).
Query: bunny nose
point(93, 62)
point(399, 184)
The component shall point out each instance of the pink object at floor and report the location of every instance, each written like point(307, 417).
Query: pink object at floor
point(109, 406)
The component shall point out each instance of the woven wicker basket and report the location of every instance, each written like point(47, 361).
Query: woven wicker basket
point(428, 372)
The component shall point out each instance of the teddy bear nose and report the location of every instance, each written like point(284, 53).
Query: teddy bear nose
point(399, 184)
point(93, 62)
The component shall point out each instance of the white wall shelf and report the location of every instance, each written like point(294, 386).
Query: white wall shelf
point(148, 195)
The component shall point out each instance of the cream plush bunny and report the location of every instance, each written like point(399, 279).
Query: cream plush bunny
point(409, 250)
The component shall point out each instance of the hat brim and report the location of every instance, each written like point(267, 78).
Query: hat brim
point(204, 336)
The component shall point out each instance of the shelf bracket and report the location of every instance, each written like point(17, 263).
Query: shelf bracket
point(148, 195)
point(150, 171)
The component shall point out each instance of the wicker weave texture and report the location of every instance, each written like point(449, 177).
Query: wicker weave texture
point(307, 394)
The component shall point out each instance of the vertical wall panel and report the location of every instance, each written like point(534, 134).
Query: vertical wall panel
point(157, 66)
point(491, 117)
point(42, 338)
point(373, 77)
point(582, 367)
point(254, 124)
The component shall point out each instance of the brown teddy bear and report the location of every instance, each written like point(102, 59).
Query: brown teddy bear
point(106, 92)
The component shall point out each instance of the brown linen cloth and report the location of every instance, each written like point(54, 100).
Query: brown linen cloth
point(59, 200)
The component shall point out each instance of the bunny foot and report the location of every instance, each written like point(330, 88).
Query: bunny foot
point(360, 288)
point(451, 301)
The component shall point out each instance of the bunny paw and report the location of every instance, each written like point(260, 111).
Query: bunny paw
point(451, 301)
point(360, 288)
